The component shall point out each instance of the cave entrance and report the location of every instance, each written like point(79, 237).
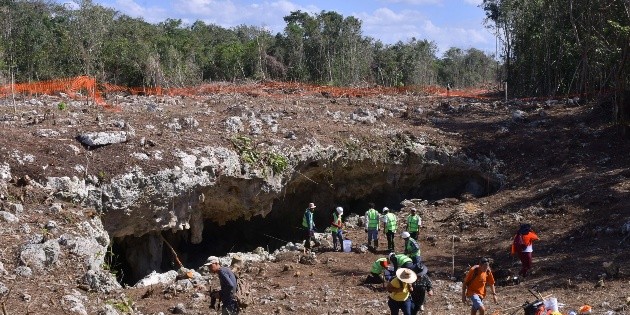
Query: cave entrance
point(352, 187)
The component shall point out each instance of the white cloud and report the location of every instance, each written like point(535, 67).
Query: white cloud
point(150, 14)
point(228, 13)
point(390, 27)
point(474, 2)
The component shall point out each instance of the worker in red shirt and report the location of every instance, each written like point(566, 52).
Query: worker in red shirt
point(523, 246)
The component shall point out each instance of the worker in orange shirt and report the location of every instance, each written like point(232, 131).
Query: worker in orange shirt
point(474, 287)
point(523, 246)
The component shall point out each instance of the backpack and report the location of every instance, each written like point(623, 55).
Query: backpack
point(519, 244)
point(474, 275)
point(243, 294)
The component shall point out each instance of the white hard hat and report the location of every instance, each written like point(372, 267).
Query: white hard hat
point(385, 209)
point(405, 234)
point(339, 210)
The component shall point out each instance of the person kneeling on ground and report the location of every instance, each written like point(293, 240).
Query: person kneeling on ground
point(380, 266)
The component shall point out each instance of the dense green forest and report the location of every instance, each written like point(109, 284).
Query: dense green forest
point(43, 40)
point(563, 47)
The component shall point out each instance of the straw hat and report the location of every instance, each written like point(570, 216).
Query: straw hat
point(406, 275)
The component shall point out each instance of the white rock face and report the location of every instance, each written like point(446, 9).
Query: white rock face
point(93, 139)
point(157, 278)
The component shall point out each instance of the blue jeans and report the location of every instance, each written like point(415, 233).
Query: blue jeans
point(395, 306)
point(337, 237)
point(372, 236)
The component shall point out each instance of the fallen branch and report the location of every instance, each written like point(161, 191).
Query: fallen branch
point(172, 251)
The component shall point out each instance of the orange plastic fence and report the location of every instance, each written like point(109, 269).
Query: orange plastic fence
point(94, 90)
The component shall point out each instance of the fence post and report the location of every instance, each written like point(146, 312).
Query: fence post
point(506, 92)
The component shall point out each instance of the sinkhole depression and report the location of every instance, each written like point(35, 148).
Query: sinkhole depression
point(240, 214)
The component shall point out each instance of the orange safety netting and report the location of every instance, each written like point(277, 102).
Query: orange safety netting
point(94, 91)
point(70, 86)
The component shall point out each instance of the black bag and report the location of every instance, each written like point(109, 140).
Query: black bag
point(534, 308)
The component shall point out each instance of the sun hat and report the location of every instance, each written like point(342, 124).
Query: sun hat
point(212, 260)
point(406, 275)
point(311, 205)
point(385, 209)
point(405, 234)
point(339, 210)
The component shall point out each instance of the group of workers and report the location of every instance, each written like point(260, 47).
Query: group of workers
point(404, 275)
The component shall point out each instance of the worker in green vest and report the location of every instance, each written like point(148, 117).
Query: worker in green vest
point(412, 248)
point(390, 223)
point(380, 266)
point(309, 225)
point(336, 228)
point(372, 226)
point(413, 224)
point(401, 261)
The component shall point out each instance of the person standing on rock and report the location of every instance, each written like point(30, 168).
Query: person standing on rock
point(309, 225)
point(523, 246)
point(400, 291)
point(372, 226)
point(474, 286)
point(227, 280)
point(336, 228)
point(414, 222)
point(390, 223)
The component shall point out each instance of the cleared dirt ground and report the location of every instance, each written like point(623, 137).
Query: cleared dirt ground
point(566, 172)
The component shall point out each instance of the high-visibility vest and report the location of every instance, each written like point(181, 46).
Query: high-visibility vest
point(372, 217)
point(412, 249)
point(401, 259)
point(307, 219)
point(337, 220)
point(377, 268)
point(391, 222)
point(413, 223)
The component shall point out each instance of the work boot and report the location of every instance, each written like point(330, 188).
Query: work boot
point(375, 244)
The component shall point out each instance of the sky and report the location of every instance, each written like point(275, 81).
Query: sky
point(448, 23)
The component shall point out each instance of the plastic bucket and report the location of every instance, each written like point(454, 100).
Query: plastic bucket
point(551, 304)
point(347, 246)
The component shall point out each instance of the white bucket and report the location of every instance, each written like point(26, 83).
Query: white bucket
point(551, 304)
point(347, 246)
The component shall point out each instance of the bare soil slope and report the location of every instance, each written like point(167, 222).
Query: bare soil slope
point(566, 173)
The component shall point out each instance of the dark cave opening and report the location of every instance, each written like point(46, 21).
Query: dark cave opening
point(136, 257)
